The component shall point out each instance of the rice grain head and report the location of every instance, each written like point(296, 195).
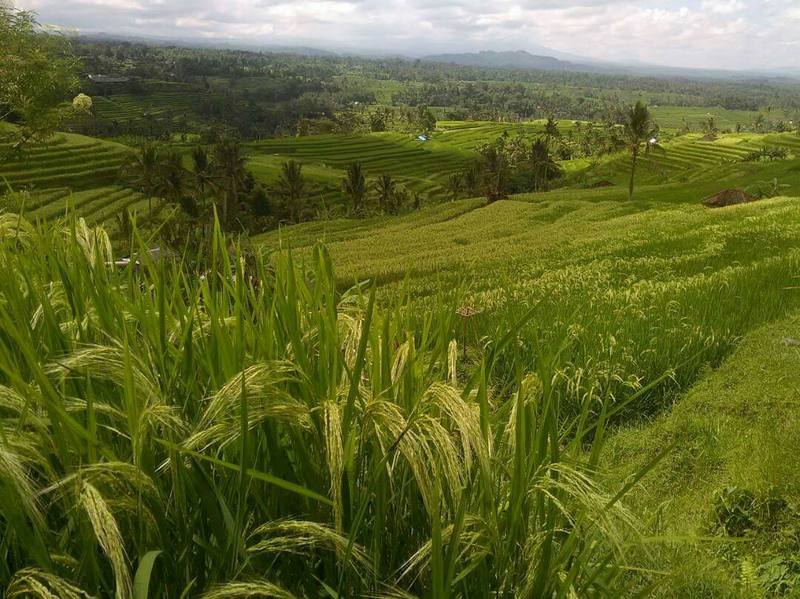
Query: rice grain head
point(108, 535)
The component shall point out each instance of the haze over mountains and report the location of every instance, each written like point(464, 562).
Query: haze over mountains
point(540, 58)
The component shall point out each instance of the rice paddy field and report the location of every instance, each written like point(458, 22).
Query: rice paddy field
point(127, 107)
point(562, 394)
point(675, 117)
point(420, 166)
point(67, 160)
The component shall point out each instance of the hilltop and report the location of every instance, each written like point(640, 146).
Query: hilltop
point(519, 59)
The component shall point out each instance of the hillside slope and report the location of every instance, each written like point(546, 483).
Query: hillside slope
point(732, 476)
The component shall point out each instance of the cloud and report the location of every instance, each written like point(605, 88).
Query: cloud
point(699, 33)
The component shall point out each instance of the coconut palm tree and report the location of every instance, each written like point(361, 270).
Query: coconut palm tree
point(354, 185)
point(142, 168)
point(495, 171)
point(472, 179)
point(455, 186)
point(203, 170)
point(639, 129)
point(758, 123)
point(551, 131)
point(385, 188)
point(292, 187)
point(543, 165)
point(230, 174)
point(172, 177)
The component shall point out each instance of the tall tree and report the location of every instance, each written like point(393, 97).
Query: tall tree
point(142, 169)
point(495, 171)
point(455, 186)
point(292, 187)
point(385, 188)
point(354, 186)
point(639, 129)
point(203, 170)
point(229, 167)
point(551, 131)
point(171, 178)
point(37, 74)
point(543, 165)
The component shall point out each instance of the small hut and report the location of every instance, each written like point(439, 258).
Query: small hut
point(728, 197)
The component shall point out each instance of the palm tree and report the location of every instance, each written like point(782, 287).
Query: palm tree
point(496, 172)
point(142, 170)
point(471, 177)
point(230, 172)
point(354, 185)
point(455, 186)
point(385, 188)
point(171, 178)
point(639, 129)
point(202, 168)
point(292, 186)
point(544, 167)
point(551, 131)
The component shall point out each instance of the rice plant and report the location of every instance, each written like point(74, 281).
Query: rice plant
point(233, 425)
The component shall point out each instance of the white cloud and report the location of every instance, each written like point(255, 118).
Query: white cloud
point(701, 33)
point(723, 7)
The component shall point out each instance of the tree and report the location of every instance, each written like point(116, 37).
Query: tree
point(385, 188)
point(142, 170)
point(354, 186)
point(758, 123)
point(426, 120)
point(171, 178)
point(37, 74)
point(455, 186)
point(471, 179)
point(544, 167)
point(203, 171)
point(639, 129)
point(551, 131)
point(495, 171)
point(709, 127)
point(377, 122)
point(292, 188)
point(230, 173)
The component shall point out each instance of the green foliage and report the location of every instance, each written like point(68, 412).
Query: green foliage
point(37, 73)
point(354, 186)
point(638, 129)
point(292, 189)
point(767, 154)
point(273, 435)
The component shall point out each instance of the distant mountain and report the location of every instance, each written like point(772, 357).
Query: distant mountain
point(519, 59)
point(220, 44)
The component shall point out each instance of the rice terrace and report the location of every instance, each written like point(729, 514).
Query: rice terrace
point(385, 300)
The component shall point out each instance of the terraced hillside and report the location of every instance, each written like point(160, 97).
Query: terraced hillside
point(689, 158)
point(127, 107)
point(69, 173)
point(68, 160)
point(629, 284)
point(96, 206)
point(420, 166)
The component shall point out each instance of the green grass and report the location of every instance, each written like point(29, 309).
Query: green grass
point(673, 117)
point(67, 160)
point(257, 433)
point(278, 427)
point(163, 103)
point(731, 477)
point(626, 278)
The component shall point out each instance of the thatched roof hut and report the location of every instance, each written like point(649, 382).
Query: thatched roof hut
point(729, 197)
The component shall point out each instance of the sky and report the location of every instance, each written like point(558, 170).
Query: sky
point(729, 34)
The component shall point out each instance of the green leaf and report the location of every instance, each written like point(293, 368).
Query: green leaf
point(141, 582)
